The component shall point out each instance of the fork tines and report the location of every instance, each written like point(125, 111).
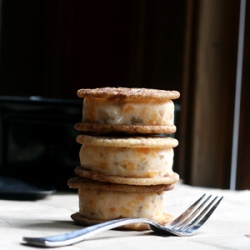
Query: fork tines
point(197, 214)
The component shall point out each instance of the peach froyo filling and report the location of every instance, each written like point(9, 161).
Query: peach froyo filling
point(127, 162)
point(104, 205)
point(128, 111)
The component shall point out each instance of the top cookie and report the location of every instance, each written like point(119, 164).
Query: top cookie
point(132, 93)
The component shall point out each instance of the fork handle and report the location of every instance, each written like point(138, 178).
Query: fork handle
point(81, 234)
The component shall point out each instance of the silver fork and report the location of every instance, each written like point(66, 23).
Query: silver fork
point(185, 224)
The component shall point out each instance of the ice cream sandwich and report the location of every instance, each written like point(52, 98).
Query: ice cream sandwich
point(127, 160)
point(126, 155)
point(127, 110)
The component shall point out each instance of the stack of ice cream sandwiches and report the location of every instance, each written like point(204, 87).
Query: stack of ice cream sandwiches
point(126, 155)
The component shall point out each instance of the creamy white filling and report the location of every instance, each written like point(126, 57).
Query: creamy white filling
point(103, 205)
point(128, 162)
point(128, 111)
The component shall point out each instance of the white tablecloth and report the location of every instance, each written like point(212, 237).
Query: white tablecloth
point(228, 227)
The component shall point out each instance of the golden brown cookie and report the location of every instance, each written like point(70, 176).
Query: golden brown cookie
point(79, 219)
point(97, 128)
point(168, 180)
point(127, 141)
point(133, 93)
point(88, 184)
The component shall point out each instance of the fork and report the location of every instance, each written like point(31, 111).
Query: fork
point(185, 224)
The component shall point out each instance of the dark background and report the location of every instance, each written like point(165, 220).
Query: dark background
point(52, 48)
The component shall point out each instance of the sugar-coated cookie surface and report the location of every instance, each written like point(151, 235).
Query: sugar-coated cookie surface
point(121, 92)
point(124, 128)
point(167, 180)
point(80, 219)
point(89, 184)
point(128, 141)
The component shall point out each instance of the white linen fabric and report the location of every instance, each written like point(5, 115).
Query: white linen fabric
point(228, 227)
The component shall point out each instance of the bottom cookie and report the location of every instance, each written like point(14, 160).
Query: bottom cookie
point(81, 220)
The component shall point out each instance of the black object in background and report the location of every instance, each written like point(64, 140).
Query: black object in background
point(14, 189)
point(38, 140)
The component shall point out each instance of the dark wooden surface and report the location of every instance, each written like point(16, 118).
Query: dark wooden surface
point(209, 92)
point(210, 73)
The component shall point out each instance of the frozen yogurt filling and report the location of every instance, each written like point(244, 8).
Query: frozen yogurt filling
point(128, 162)
point(128, 111)
point(105, 205)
